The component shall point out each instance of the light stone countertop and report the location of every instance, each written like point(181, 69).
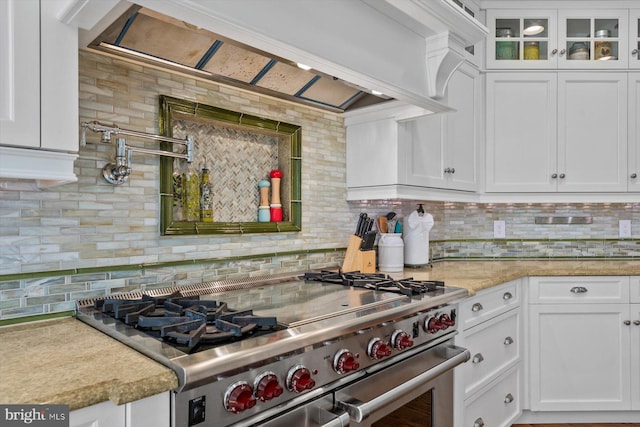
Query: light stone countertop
point(65, 361)
point(477, 275)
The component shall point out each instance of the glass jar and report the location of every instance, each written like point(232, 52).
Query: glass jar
point(506, 50)
point(602, 48)
point(531, 51)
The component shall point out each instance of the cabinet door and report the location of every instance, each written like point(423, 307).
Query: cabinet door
point(633, 171)
point(498, 404)
point(635, 356)
point(580, 357)
point(464, 93)
point(153, 411)
point(594, 39)
point(521, 132)
point(522, 39)
point(20, 73)
point(634, 38)
point(422, 145)
point(592, 132)
point(105, 414)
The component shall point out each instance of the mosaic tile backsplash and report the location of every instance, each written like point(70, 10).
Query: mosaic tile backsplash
point(90, 238)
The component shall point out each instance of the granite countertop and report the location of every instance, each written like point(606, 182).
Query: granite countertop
point(65, 361)
point(477, 275)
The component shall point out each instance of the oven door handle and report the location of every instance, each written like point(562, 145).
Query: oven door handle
point(358, 411)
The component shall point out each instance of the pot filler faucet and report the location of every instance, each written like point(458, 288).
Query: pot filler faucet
point(117, 172)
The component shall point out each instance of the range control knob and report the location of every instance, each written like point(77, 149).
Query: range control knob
point(447, 320)
point(438, 322)
point(299, 379)
point(266, 386)
point(401, 340)
point(239, 397)
point(378, 349)
point(345, 361)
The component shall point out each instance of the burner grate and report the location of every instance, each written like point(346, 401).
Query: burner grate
point(375, 281)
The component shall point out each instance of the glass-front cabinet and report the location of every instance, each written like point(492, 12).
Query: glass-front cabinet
point(634, 38)
point(522, 39)
point(571, 39)
point(590, 39)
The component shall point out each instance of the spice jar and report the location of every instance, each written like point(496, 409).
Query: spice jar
point(602, 47)
point(531, 50)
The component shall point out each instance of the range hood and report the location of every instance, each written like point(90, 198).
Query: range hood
point(359, 52)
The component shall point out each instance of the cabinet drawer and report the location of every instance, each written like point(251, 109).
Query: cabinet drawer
point(498, 404)
point(493, 346)
point(579, 290)
point(634, 289)
point(489, 303)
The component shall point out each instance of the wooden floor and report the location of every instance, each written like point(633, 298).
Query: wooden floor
point(578, 425)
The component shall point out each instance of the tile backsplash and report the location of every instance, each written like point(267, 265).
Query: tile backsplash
point(91, 238)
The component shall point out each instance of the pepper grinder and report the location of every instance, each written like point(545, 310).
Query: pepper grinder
point(276, 207)
point(263, 208)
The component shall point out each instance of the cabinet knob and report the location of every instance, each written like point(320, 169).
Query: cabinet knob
point(578, 290)
point(478, 423)
point(562, 176)
point(634, 175)
point(447, 170)
point(634, 52)
point(477, 358)
point(508, 341)
point(453, 170)
point(562, 52)
point(476, 307)
point(554, 51)
point(507, 296)
point(627, 322)
point(554, 175)
point(508, 398)
point(636, 322)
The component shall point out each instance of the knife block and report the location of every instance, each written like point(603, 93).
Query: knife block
point(357, 260)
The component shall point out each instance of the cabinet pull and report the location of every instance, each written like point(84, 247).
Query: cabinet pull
point(453, 170)
point(554, 51)
point(627, 322)
point(578, 290)
point(562, 175)
point(634, 52)
point(478, 423)
point(634, 175)
point(507, 296)
point(562, 51)
point(508, 341)
point(476, 307)
point(636, 322)
point(508, 398)
point(554, 175)
point(477, 358)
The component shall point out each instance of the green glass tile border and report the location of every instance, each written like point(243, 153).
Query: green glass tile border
point(47, 316)
point(108, 269)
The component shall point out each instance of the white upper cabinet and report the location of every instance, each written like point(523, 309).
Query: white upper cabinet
point(39, 98)
point(563, 132)
point(565, 39)
point(634, 132)
point(634, 38)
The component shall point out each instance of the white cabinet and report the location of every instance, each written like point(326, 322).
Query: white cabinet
point(565, 38)
point(153, 411)
point(634, 287)
point(105, 414)
point(399, 151)
point(634, 38)
point(634, 131)
point(564, 132)
point(441, 150)
point(488, 388)
point(39, 84)
point(581, 355)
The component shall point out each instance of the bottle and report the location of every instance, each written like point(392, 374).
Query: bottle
point(206, 197)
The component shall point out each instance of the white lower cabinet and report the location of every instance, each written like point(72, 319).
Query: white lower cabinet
point(488, 388)
point(584, 344)
point(497, 404)
point(153, 411)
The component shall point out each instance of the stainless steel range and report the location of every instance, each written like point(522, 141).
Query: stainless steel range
point(324, 348)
